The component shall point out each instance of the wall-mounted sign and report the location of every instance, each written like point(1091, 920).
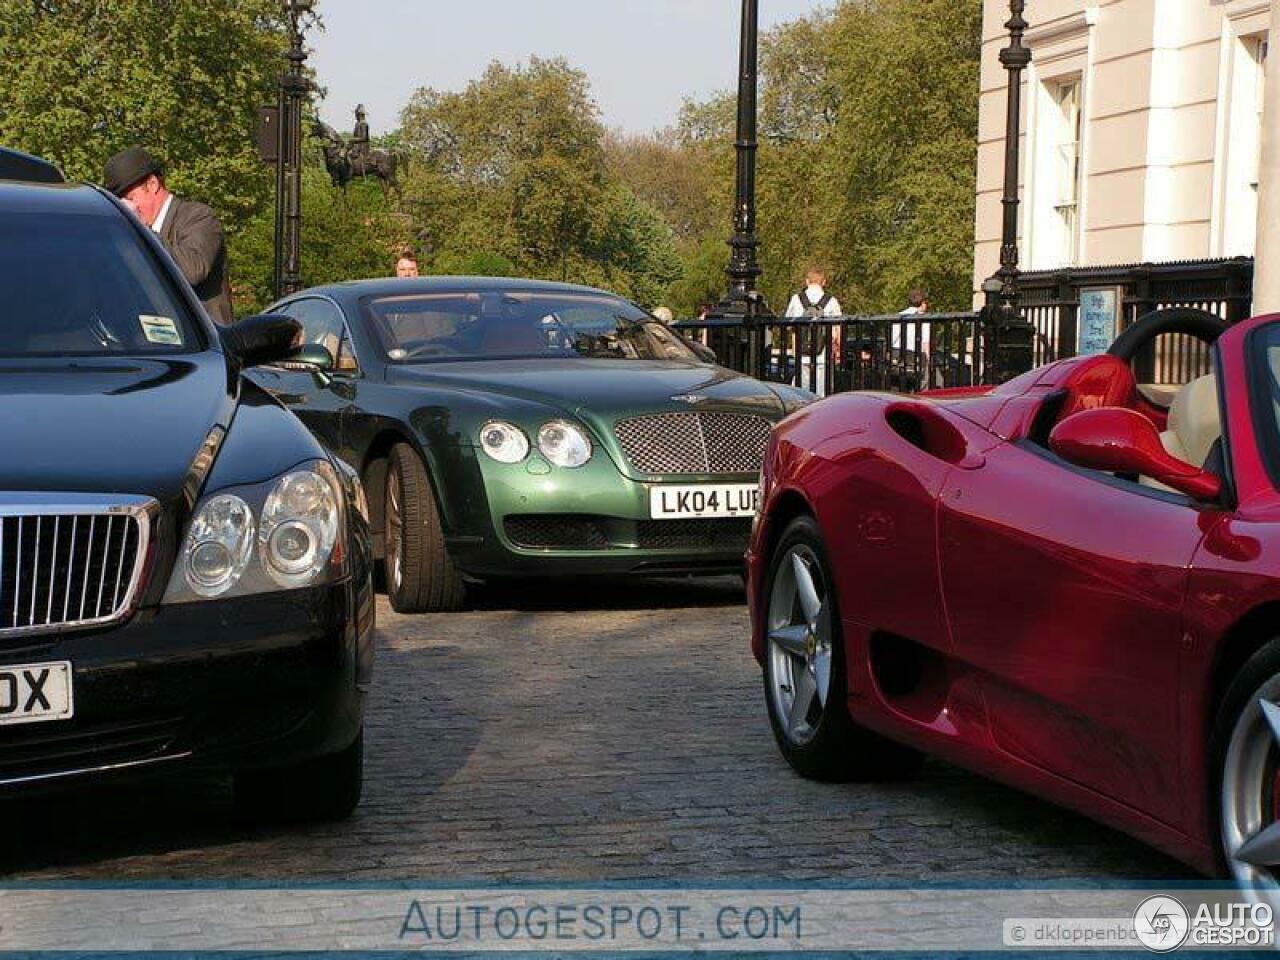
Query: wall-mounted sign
point(1099, 320)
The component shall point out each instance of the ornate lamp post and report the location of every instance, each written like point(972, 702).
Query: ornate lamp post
point(744, 269)
point(294, 89)
point(1012, 334)
point(742, 301)
point(1014, 58)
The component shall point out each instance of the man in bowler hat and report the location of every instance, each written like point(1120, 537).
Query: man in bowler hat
point(190, 231)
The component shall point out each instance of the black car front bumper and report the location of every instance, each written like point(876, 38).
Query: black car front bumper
point(217, 686)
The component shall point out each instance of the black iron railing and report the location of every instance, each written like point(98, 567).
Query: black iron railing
point(1051, 301)
point(831, 355)
point(912, 353)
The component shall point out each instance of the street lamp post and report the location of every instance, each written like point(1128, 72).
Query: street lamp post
point(744, 269)
point(294, 89)
point(742, 300)
point(1014, 58)
point(1012, 335)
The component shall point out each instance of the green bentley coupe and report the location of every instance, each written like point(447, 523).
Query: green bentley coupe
point(518, 428)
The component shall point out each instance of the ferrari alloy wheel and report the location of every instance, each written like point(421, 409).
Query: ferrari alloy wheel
point(420, 574)
point(1248, 743)
point(804, 678)
point(799, 644)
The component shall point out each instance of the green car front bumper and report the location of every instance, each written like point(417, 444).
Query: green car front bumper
point(534, 519)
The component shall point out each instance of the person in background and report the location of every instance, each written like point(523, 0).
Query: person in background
point(665, 315)
point(904, 339)
point(407, 263)
point(190, 231)
point(813, 302)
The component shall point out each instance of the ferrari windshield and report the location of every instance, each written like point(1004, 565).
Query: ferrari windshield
point(508, 324)
point(82, 285)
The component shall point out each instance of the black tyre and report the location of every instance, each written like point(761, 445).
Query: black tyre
point(323, 789)
point(420, 575)
point(1245, 777)
point(805, 683)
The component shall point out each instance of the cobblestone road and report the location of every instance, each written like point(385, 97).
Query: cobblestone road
point(550, 737)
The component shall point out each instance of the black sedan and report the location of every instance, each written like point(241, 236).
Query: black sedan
point(184, 571)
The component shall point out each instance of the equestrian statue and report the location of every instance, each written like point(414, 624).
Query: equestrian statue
point(347, 160)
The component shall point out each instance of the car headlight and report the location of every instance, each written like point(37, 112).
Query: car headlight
point(564, 444)
point(295, 522)
point(219, 545)
point(299, 528)
point(504, 442)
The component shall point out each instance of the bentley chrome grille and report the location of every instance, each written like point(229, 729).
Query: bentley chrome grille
point(68, 561)
point(688, 443)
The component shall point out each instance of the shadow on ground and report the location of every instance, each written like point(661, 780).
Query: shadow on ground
point(613, 593)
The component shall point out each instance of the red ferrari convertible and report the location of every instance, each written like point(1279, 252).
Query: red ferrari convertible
point(1056, 582)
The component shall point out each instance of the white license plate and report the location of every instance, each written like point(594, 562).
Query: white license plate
point(708, 500)
point(35, 692)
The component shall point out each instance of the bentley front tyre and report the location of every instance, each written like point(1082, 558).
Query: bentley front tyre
point(325, 788)
point(804, 670)
point(420, 575)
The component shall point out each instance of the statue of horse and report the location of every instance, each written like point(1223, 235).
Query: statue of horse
point(346, 164)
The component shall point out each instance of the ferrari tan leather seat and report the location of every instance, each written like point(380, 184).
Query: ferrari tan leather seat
point(1195, 424)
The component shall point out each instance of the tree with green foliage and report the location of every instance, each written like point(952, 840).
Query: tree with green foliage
point(83, 79)
point(867, 158)
point(346, 235)
point(514, 167)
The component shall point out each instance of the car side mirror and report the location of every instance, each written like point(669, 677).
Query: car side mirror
point(261, 340)
point(313, 355)
point(1124, 441)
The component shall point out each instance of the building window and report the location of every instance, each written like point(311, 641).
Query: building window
point(1244, 103)
point(1055, 202)
point(1067, 179)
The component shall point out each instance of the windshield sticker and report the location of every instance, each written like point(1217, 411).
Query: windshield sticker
point(160, 330)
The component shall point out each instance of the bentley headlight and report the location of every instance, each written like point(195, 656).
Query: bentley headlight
point(300, 526)
point(285, 533)
point(219, 545)
point(564, 444)
point(504, 442)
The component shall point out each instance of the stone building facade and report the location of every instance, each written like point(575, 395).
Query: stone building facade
point(1141, 131)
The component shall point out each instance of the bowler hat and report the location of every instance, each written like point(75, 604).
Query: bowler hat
point(129, 167)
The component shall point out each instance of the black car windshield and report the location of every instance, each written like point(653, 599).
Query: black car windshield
point(426, 327)
point(84, 285)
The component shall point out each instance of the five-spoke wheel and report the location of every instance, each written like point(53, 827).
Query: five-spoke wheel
point(800, 643)
point(804, 669)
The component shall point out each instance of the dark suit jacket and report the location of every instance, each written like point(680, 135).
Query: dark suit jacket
point(193, 236)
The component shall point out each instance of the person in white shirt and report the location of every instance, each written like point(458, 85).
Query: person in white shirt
point(918, 305)
point(813, 300)
point(815, 303)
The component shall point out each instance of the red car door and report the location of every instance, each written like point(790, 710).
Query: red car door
point(1065, 590)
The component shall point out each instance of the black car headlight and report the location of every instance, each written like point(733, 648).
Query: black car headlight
point(283, 534)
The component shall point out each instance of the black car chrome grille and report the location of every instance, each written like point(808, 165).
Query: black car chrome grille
point(694, 443)
point(68, 567)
